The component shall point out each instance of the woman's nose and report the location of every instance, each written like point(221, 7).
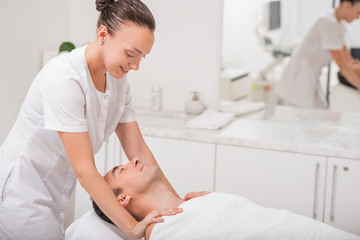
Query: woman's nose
point(135, 65)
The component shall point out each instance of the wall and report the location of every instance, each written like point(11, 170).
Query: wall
point(25, 34)
point(83, 20)
point(186, 55)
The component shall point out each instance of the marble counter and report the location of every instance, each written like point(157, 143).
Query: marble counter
point(280, 128)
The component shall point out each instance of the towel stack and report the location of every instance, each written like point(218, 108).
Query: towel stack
point(211, 120)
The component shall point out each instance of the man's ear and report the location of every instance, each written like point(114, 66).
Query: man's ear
point(347, 4)
point(124, 199)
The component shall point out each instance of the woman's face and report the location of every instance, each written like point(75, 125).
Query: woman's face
point(352, 11)
point(123, 51)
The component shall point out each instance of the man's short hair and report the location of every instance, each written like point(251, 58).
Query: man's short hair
point(99, 212)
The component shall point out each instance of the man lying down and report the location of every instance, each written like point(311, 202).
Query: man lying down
point(140, 190)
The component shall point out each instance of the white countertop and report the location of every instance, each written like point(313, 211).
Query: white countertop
point(280, 128)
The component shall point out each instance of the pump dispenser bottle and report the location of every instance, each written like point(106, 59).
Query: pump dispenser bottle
point(194, 106)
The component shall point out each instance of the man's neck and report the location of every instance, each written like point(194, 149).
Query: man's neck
point(159, 197)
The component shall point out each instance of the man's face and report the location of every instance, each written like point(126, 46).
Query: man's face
point(133, 177)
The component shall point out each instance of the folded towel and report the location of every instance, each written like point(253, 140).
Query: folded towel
point(241, 107)
point(211, 120)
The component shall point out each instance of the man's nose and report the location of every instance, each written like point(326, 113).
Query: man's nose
point(135, 162)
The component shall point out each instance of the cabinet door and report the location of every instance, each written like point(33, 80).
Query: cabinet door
point(189, 166)
point(342, 204)
point(274, 179)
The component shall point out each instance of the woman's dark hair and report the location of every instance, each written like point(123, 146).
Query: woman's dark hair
point(114, 13)
point(100, 213)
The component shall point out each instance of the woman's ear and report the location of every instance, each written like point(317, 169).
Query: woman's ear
point(102, 33)
point(124, 199)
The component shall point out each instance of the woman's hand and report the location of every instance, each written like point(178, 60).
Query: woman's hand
point(194, 195)
point(154, 216)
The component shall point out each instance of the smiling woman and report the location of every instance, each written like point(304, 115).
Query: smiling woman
point(73, 105)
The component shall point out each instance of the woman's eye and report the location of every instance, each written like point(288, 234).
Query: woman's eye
point(121, 170)
point(129, 54)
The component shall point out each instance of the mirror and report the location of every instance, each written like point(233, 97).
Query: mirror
point(258, 39)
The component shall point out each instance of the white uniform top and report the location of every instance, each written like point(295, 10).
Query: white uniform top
point(300, 84)
point(36, 178)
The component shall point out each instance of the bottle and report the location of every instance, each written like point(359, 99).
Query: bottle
point(155, 98)
point(194, 106)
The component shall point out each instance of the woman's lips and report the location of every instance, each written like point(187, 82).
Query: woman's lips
point(124, 70)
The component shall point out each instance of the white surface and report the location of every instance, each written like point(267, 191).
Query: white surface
point(211, 120)
point(92, 227)
point(344, 99)
point(273, 179)
point(231, 217)
point(307, 131)
point(189, 166)
point(346, 189)
point(240, 107)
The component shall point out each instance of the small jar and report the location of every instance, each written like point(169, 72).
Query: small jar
point(194, 106)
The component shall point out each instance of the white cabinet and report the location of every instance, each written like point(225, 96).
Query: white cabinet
point(274, 179)
point(342, 205)
point(189, 166)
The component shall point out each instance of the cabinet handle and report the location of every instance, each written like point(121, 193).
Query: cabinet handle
point(333, 194)
point(315, 189)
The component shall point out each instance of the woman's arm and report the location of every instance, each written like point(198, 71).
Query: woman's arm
point(134, 146)
point(346, 66)
point(79, 151)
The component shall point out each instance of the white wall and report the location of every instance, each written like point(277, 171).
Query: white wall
point(186, 55)
point(28, 28)
point(83, 21)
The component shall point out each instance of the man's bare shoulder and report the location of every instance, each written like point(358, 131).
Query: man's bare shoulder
point(149, 230)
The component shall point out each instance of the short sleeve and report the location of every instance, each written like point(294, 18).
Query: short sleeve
point(63, 104)
point(332, 35)
point(128, 113)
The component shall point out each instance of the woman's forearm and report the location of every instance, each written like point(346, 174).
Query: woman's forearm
point(351, 75)
point(101, 193)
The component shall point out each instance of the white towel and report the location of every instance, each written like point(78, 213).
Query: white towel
point(211, 120)
point(231, 217)
point(92, 227)
point(241, 107)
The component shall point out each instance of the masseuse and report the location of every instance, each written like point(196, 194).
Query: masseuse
point(75, 102)
point(300, 84)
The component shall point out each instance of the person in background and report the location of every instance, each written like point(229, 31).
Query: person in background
point(73, 105)
point(300, 84)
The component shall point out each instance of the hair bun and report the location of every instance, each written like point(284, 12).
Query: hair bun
point(103, 4)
